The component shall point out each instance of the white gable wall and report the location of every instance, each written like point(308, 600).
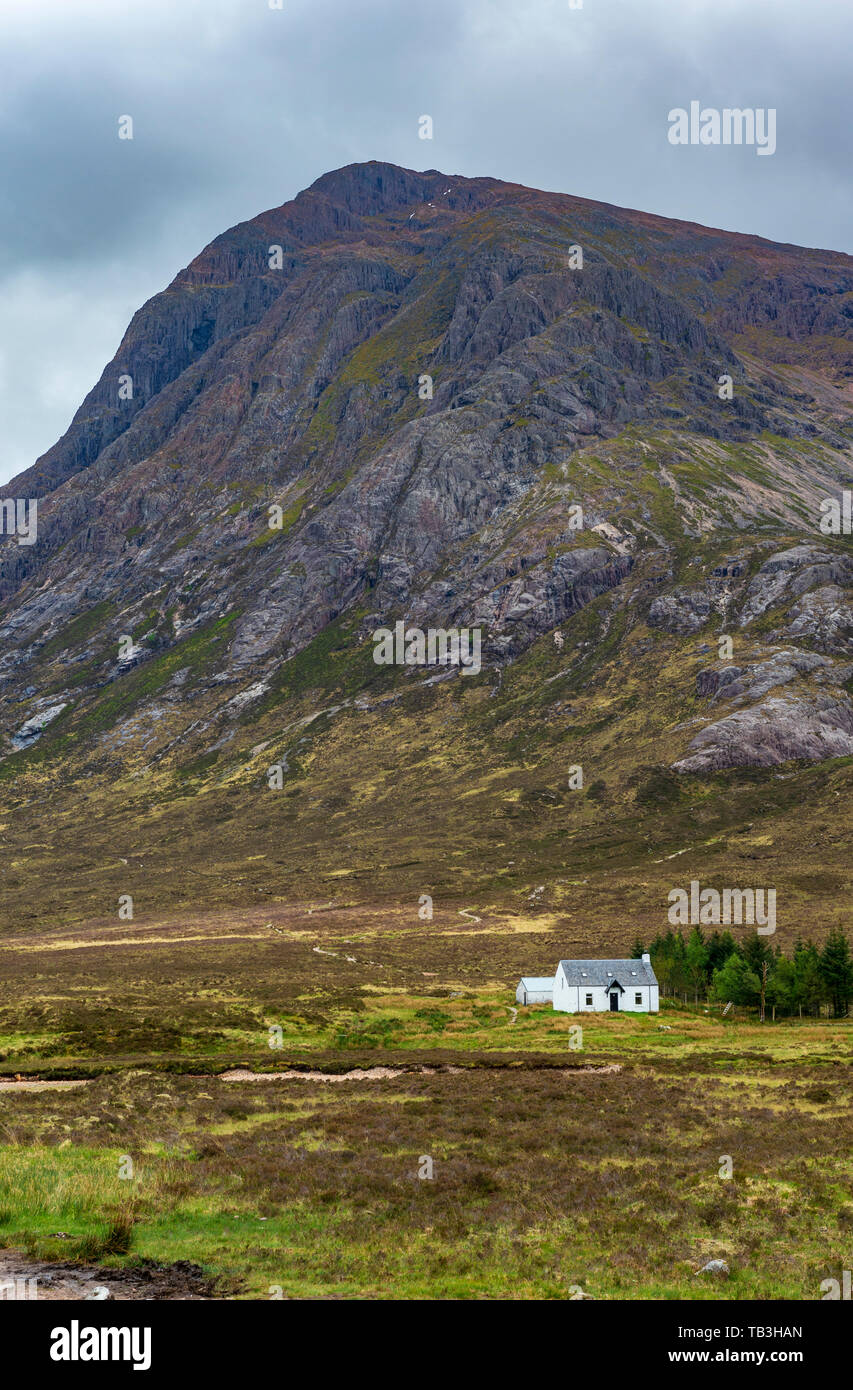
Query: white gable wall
point(533, 996)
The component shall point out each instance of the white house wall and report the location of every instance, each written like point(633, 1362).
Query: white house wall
point(571, 999)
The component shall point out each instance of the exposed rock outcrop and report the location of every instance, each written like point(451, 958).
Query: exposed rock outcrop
point(682, 611)
point(778, 730)
point(791, 573)
point(33, 728)
point(823, 618)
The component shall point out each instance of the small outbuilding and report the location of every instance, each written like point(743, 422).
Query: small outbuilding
point(535, 989)
point(614, 986)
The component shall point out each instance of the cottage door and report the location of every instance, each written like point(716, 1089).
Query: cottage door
point(614, 1002)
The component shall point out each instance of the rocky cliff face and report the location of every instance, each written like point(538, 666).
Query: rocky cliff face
point(460, 402)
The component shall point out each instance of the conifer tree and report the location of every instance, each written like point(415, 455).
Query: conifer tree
point(836, 968)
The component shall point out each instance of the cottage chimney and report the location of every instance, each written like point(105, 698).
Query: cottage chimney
point(647, 958)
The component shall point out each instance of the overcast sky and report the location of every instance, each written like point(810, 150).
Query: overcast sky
point(237, 106)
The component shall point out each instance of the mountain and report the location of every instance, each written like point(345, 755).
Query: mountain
point(601, 437)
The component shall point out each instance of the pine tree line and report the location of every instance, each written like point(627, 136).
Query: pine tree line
point(718, 969)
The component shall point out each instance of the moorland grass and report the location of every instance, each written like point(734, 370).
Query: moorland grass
point(544, 1177)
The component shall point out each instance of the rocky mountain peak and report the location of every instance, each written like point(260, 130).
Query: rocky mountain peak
point(458, 404)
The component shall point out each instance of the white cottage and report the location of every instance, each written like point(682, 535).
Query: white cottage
point(596, 986)
point(535, 989)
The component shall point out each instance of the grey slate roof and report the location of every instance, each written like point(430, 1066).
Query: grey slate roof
point(599, 973)
point(537, 982)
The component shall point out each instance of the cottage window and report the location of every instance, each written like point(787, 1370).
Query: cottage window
point(638, 998)
point(589, 999)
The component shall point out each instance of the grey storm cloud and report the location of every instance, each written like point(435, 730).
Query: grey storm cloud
point(237, 105)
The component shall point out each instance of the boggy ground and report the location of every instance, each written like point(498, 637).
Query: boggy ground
point(23, 1278)
point(548, 1173)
